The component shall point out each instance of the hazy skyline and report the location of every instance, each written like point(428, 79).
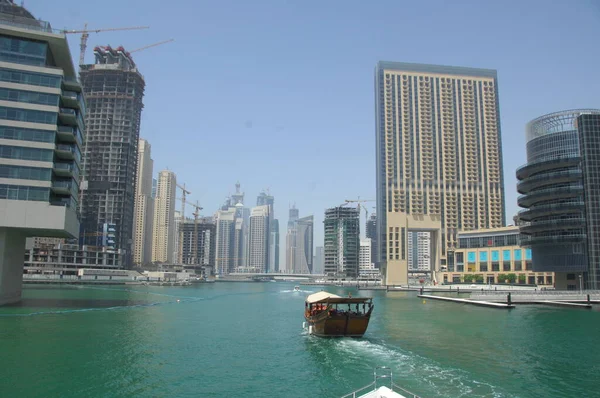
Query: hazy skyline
point(280, 95)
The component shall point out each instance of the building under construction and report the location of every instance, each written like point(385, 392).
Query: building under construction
point(114, 89)
point(199, 242)
point(342, 241)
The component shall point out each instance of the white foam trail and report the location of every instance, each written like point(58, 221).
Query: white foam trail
point(409, 366)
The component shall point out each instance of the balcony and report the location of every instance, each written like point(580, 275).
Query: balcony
point(72, 99)
point(64, 169)
point(549, 178)
point(64, 187)
point(69, 202)
point(64, 151)
point(529, 169)
point(532, 198)
point(70, 134)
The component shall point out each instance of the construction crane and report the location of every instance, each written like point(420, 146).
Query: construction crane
point(184, 193)
point(85, 33)
point(360, 202)
point(151, 45)
point(195, 243)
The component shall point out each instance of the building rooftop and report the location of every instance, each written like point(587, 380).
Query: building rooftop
point(441, 69)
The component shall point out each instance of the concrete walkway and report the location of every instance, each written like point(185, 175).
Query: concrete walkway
point(466, 301)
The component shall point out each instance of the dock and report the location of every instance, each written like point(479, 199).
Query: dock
point(467, 301)
point(564, 304)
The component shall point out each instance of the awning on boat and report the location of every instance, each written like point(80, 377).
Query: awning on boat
point(321, 296)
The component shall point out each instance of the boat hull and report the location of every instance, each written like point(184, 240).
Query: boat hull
point(338, 325)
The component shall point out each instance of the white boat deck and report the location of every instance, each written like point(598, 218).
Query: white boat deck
point(382, 392)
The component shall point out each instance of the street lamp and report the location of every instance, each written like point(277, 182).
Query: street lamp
point(580, 284)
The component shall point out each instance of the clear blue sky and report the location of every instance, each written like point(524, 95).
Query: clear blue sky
point(279, 94)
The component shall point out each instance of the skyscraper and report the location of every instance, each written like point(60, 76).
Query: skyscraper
point(274, 246)
point(303, 263)
point(342, 241)
point(290, 239)
point(226, 257)
point(419, 258)
point(41, 123)
point(319, 264)
point(560, 194)
point(265, 199)
point(114, 89)
point(371, 233)
point(163, 236)
point(144, 206)
point(259, 239)
point(439, 156)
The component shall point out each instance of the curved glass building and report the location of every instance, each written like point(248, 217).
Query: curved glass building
point(552, 187)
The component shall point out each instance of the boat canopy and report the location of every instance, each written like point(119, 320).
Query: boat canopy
point(324, 297)
point(321, 296)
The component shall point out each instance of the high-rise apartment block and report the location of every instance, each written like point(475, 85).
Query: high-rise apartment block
point(226, 260)
point(163, 235)
point(371, 233)
point(259, 239)
point(114, 89)
point(265, 199)
point(560, 187)
point(342, 241)
point(319, 263)
point(439, 157)
point(419, 247)
point(199, 243)
point(144, 206)
point(303, 259)
point(42, 113)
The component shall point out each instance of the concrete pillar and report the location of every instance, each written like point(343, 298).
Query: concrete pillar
point(12, 257)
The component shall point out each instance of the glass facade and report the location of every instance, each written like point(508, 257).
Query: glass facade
point(589, 141)
point(552, 187)
point(62, 126)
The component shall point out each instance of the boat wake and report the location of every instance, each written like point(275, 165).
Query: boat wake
point(416, 373)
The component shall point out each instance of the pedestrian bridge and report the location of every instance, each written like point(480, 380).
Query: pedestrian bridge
point(271, 276)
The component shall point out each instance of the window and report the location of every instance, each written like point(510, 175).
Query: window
point(17, 192)
point(22, 51)
point(25, 173)
point(27, 115)
point(34, 79)
point(15, 152)
point(30, 97)
point(17, 133)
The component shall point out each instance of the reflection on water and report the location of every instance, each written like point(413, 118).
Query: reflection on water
point(74, 303)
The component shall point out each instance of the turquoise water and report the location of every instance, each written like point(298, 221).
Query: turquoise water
point(245, 339)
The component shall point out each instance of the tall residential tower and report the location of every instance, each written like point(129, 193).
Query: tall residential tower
point(41, 124)
point(144, 206)
point(114, 89)
point(163, 235)
point(439, 157)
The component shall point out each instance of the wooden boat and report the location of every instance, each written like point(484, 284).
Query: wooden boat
point(329, 315)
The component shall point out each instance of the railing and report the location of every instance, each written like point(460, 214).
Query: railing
point(27, 23)
point(541, 292)
point(381, 372)
point(68, 111)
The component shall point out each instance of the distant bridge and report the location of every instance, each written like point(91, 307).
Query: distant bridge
point(274, 276)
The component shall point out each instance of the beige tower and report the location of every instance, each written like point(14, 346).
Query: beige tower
point(439, 158)
point(163, 235)
point(144, 206)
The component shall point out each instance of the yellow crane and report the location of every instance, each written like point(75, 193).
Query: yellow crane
point(85, 33)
